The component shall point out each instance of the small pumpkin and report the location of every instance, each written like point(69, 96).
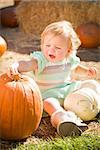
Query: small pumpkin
point(3, 46)
point(89, 34)
point(84, 103)
point(8, 17)
point(20, 107)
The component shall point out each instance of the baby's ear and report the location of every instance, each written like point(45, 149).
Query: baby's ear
point(69, 50)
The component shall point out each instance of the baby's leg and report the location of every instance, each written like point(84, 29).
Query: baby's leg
point(51, 105)
point(63, 121)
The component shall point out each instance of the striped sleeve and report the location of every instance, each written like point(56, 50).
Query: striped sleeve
point(74, 61)
point(40, 59)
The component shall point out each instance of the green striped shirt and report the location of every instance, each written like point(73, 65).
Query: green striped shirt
point(50, 75)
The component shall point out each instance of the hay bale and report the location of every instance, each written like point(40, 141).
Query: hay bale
point(34, 16)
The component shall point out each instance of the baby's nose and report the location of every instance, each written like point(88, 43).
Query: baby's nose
point(52, 50)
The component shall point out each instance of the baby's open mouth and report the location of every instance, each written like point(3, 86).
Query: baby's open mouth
point(51, 56)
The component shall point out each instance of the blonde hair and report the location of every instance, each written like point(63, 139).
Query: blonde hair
point(62, 28)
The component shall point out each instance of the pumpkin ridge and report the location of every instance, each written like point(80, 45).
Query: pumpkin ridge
point(23, 110)
point(35, 119)
point(24, 85)
point(1, 108)
point(17, 96)
point(11, 99)
point(12, 104)
point(6, 115)
point(36, 94)
point(35, 103)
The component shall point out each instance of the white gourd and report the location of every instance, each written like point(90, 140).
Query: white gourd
point(84, 102)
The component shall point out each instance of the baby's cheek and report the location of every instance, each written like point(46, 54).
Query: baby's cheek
point(61, 55)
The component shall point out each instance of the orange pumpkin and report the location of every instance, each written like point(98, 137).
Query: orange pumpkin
point(89, 34)
point(8, 17)
point(20, 107)
point(3, 46)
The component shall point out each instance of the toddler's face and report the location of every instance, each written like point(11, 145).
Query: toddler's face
point(55, 47)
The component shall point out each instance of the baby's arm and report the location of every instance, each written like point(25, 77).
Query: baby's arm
point(88, 71)
point(23, 66)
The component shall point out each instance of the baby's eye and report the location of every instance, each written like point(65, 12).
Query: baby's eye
point(58, 48)
point(47, 45)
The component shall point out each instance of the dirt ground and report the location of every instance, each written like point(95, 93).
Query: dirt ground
point(20, 46)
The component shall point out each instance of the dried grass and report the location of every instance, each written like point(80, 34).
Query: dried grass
point(34, 16)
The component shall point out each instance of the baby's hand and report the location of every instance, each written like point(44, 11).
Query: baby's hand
point(14, 69)
point(92, 72)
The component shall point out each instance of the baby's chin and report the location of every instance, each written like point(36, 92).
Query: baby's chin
point(54, 60)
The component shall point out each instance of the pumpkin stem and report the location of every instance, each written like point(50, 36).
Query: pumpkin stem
point(16, 77)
